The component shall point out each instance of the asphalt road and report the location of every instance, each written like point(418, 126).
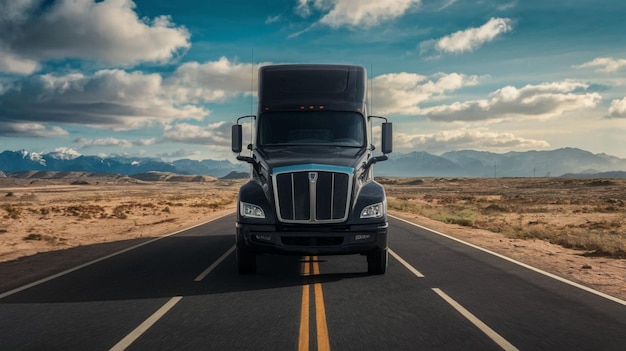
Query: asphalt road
point(182, 292)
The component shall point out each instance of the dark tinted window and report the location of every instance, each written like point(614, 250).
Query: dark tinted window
point(311, 127)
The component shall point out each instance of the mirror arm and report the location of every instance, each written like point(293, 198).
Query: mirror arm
point(375, 159)
point(256, 165)
point(246, 159)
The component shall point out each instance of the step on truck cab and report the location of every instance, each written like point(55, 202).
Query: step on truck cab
point(311, 189)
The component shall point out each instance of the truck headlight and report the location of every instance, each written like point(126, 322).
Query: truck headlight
point(373, 211)
point(250, 210)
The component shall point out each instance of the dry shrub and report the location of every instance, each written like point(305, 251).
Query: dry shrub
point(42, 237)
point(121, 211)
point(83, 211)
point(596, 243)
point(12, 211)
point(403, 205)
point(464, 217)
point(216, 203)
point(495, 208)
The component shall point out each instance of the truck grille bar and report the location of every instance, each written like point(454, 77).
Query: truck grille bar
point(312, 193)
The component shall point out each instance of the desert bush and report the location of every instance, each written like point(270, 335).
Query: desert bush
point(39, 237)
point(596, 243)
point(172, 204)
point(217, 203)
point(465, 217)
point(83, 211)
point(414, 182)
point(495, 208)
point(121, 211)
point(12, 211)
point(403, 205)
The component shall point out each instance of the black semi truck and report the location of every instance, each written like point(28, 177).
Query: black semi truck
point(311, 189)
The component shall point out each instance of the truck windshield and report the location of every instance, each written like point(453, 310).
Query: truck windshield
point(334, 128)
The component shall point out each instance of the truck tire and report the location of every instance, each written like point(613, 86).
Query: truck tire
point(246, 261)
point(377, 262)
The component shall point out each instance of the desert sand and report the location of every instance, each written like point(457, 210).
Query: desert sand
point(49, 225)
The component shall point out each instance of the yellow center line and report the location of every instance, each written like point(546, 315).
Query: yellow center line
point(303, 339)
point(323, 341)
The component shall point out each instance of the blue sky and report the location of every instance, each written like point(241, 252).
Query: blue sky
point(168, 78)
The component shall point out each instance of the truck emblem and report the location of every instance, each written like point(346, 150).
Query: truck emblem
point(312, 177)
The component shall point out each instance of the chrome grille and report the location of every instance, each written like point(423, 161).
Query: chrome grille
point(307, 194)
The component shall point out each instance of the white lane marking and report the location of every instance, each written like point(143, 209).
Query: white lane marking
point(215, 264)
point(406, 264)
point(505, 345)
point(135, 334)
point(553, 276)
point(54, 276)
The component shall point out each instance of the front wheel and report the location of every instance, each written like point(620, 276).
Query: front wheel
point(377, 262)
point(246, 261)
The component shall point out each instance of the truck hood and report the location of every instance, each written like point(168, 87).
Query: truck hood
point(326, 155)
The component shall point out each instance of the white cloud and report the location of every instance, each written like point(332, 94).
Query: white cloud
point(11, 63)
point(355, 13)
point(476, 139)
point(215, 136)
point(182, 153)
point(36, 130)
point(86, 143)
point(111, 98)
point(507, 6)
point(473, 38)
point(213, 81)
point(537, 101)
point(107, 32)
point(402, 93)
point(211, 134)
point(617, 109)
point(124, 100)
point(302, 8)
point(272, 19)
point(604, 64)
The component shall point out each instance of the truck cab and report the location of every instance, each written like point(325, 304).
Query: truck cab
point(311, 189)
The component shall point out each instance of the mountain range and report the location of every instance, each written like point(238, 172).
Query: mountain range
point(22, 160)
point(467, 163)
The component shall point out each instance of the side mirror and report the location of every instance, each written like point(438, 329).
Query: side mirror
point(237, 138)
point(387, 138)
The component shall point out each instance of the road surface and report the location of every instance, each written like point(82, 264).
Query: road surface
point(182, 292)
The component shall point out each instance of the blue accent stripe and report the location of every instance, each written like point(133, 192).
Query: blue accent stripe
point(313, 166)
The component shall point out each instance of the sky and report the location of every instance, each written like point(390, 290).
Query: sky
point(167, 79)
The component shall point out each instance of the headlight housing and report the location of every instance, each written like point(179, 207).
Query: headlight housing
point(373, 211)
point(250, 210)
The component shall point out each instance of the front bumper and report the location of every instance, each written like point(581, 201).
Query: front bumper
point(295, 240)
